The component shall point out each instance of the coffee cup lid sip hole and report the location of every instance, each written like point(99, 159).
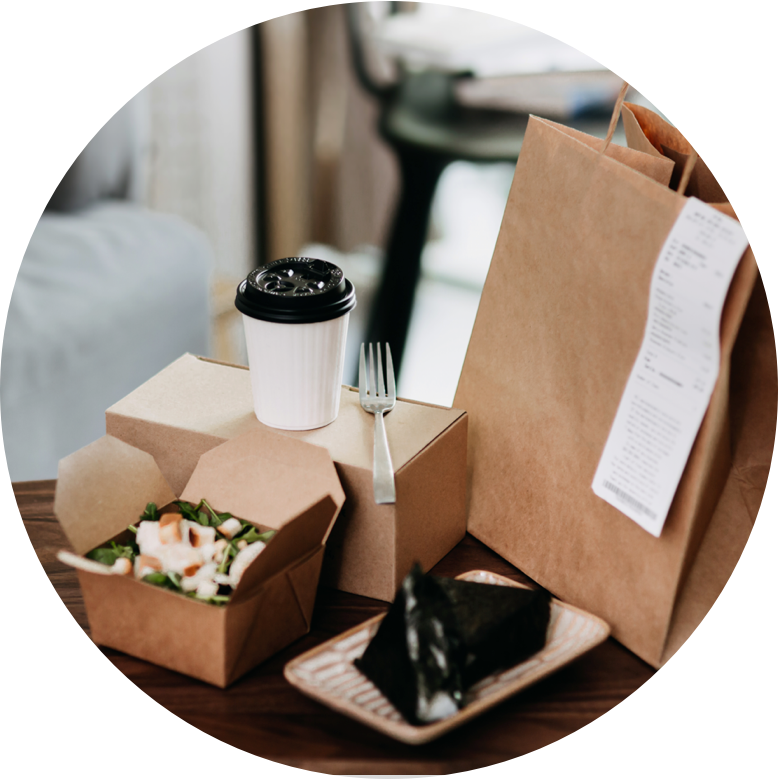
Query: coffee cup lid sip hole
point(296, 290)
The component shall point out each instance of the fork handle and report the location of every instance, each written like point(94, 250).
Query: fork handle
point(383, 472)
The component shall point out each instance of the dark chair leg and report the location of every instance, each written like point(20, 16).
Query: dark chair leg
point(393, 304)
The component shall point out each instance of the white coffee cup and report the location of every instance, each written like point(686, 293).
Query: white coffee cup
point(295, 316)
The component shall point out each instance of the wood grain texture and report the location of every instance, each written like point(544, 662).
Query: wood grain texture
point(264, 715)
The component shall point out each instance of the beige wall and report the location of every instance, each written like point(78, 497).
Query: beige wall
point(201, 167)
point(201, 157)
point(330, 178)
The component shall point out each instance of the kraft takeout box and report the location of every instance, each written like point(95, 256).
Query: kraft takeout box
point(196, 404)
point(270, 480)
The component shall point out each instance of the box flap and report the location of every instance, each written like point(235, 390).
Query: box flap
point(104, 487)
point(276, 482)
point(276, 605)
point(264, 477)
point(287, 546)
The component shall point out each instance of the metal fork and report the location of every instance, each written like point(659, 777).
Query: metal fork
point(378, 400)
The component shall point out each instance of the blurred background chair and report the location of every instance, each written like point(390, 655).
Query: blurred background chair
point(379, 137)
point(427, 130)
point(109, 292)
point(428, 126)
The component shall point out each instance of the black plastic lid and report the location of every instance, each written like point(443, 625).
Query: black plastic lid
point(296, 289)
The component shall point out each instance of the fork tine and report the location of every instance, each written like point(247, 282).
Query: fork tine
point(380, 389)
point(362, 373)
point(392, 390)
point(371, 375)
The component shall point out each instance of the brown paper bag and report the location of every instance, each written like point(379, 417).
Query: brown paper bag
point(648, 132)
point(559, 325)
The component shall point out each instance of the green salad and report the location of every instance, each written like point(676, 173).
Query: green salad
point(190, 549)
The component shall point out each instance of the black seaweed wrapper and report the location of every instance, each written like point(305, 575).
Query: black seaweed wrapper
point(443, 635)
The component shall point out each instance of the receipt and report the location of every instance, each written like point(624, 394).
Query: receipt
point(671, 382)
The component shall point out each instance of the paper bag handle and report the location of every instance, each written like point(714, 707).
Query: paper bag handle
point(688, 167)
point(614, 117)
point(691, 160)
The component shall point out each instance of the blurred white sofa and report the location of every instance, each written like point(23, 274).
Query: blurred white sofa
point(108, 294)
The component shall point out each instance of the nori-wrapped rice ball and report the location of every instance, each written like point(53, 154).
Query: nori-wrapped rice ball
point(499, 626)
point(441, 636)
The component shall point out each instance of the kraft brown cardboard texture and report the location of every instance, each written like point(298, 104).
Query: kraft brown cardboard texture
point(560, 322)
point(100, 486)
point(104, 487)
point(195, 404)
point(647, 132)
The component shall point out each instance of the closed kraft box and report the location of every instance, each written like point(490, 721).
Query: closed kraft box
point(269, 480)
point(196, 404)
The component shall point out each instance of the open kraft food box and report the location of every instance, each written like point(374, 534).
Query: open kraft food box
point(270, 480)
point(196, 404)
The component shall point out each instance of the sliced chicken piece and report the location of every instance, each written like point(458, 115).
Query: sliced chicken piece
point(200, 535)
point(146, 564)
point(122, 566)
point(169, 518)
point(243, 560)
point(203, 574)
point(179, 557)
point(147, 537)
point(170, 528)
point(229, 527)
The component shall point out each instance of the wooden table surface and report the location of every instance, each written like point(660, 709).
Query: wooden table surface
point(264, 715)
